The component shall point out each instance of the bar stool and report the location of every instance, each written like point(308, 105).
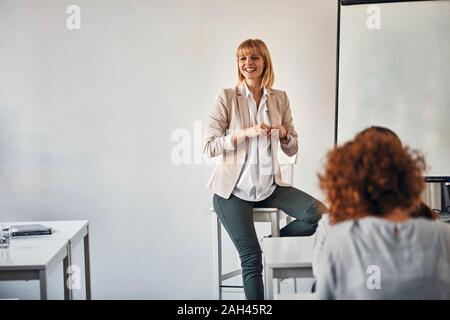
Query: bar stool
point(272, 215)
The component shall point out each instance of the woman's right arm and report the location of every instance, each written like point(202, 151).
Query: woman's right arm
point(216, 139)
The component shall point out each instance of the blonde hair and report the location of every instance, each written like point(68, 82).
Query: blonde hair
point(257, 46)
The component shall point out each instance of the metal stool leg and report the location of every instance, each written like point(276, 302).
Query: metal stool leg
point(217, 256)
point(275, 225)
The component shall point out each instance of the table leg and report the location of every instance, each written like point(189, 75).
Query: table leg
point(43, 284)
point(268, 286)
point(87, 270)
point(67, 262)
point(295, 285)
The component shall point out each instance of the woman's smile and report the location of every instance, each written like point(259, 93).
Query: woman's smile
point(251, 65)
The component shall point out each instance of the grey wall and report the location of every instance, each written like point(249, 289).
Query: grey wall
point(87, 117)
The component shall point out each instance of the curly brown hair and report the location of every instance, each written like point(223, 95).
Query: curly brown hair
point(372, 175)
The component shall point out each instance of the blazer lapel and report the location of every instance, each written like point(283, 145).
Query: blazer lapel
point(242, 105)
point(275, 118)
point(274, 115)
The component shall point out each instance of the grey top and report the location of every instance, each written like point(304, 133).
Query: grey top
point(320, 237)
point(372, 258)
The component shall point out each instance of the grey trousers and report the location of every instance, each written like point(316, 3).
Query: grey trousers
point(236, 215)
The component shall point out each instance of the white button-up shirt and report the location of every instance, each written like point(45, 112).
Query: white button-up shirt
point(256, 181)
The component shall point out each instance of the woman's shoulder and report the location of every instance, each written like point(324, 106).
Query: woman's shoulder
point(276, 92)
point(367, 227)
point(339, 232)
point(232, 90)
point(227, 93)
point(432, 226)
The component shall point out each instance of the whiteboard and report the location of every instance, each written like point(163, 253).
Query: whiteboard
point(398, 76)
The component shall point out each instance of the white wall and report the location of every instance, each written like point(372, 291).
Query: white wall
point(86, 118)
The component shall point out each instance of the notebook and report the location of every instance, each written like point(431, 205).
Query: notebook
point(30, 230)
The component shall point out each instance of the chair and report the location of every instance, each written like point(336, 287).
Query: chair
point(289, 257)
point(272, 215)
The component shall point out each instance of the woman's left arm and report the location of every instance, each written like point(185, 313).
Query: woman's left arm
point(289, 144)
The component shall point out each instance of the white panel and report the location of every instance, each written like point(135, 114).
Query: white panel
point(398, 76)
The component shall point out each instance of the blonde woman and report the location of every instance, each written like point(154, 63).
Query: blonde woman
point(245, 128)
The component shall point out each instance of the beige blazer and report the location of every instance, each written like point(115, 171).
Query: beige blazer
point(231, 113)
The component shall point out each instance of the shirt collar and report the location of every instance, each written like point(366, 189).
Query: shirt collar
point(248, 92)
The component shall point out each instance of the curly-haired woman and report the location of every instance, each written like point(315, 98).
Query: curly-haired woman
point(376, 247)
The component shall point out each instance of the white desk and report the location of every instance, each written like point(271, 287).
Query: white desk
point(31, 257)
point(445, 217)
point(286, 257)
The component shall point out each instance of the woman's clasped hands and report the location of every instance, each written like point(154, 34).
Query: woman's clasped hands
point(261, 129)
point(276, 130)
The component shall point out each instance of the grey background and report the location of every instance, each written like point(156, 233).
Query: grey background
point(87, 117)
point(398, 76)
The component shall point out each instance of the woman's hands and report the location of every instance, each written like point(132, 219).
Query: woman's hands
point(258, 130)
point(252, 132)
point(282, 132)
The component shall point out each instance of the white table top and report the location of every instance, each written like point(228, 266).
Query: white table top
point(41, 251)
point(29, 254)
point(288, 252)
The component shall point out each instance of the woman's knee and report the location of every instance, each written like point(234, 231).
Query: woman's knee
point(314, 213)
